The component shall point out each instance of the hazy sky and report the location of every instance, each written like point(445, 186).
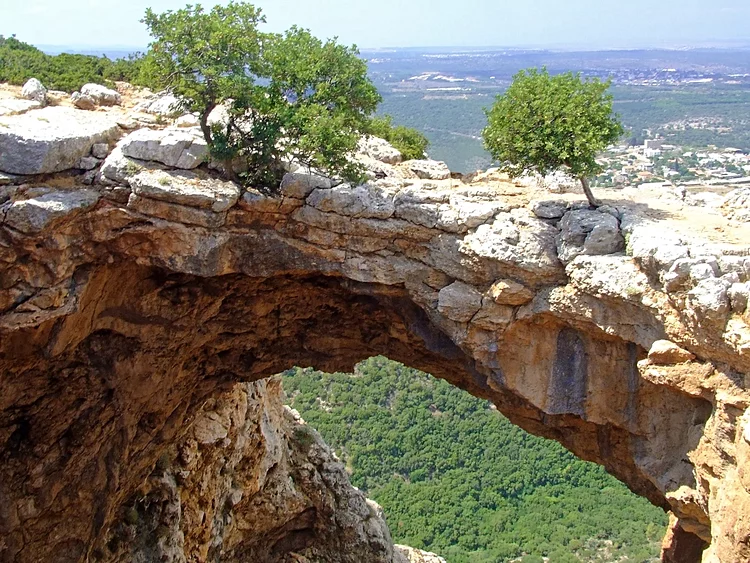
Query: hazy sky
point(589, 24)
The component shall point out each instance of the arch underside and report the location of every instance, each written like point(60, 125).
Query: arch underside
point(90, 400)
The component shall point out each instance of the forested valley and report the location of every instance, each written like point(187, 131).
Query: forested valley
point(455, 477)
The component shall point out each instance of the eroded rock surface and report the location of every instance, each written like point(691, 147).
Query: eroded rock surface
point(249, 482)
point(51, 139)
point(131, 310)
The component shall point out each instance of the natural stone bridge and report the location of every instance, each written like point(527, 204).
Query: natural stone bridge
point(128, 307)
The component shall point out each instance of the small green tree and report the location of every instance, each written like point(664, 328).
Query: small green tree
point(545, 122)
point(287, 96)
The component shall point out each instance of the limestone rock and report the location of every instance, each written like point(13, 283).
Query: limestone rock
point(427, 169)
point(164, 104)
point(359, 201)
point(185, 188)
point(87, 163)
point(118, 168)
point(666, 352)
point(187, 120)
point(101, 95)
point(739, 295)
point(175, 212)
point(248, 463)
point(548, 209)
point(588, 232)
point(512, 239)
point(509, 292)
point(459, 301)
point(51, 139)
point(653, 249)
point(100, 150)
point(131, 328)
point(379, 149)
point(414, 555)
point(14, 106)
point(34, 90)
point(299, 184)
point(83, 101)
point(736, 205)
point(710, 300)
point(38, 213)
point(179, 148)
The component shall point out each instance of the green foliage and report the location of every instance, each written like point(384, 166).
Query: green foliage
point(544, 122)
point(410, 142)
point(455, 477)
point(288, 96)
point(20, 61)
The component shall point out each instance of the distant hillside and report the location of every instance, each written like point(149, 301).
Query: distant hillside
point(455, 477)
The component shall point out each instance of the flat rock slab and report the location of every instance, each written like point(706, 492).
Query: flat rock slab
point(14, 106)
point(35, 214)
point(179, 148)
point(185, 188)
point(52, 139)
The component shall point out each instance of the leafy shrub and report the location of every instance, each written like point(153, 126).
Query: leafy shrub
point(20, 61)
point(410, 142)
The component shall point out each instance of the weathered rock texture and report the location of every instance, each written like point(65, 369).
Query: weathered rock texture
point(128, 318)
point(249, 482)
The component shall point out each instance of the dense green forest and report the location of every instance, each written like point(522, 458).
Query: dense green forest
point(455, 477)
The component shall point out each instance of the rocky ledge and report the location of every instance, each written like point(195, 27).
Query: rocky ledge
point(145, 303)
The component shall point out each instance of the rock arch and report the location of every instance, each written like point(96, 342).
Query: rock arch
point(122, 316)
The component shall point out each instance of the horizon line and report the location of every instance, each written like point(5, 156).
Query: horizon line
point(706, 45)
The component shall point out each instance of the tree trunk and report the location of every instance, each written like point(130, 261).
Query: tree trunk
point(206, 129)
point(593, 202)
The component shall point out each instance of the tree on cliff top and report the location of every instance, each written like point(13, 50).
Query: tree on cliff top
point(287, 96)
point(545, 122)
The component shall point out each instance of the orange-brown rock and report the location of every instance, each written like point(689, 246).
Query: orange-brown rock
point(664, 352)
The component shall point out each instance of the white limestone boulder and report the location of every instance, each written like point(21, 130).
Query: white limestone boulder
point(52, 139)
point(427, 169)
point(101, 95)
point(512, 239)
point(118, 168)
point(299, 185)
point(164, 104)
point(82, 101)
point(666, 352)
point(709, 300)
point(379, 149)
point(185, 188)
point(359, 201)
point(34, 90)
point(178, 148)
point(35, 214)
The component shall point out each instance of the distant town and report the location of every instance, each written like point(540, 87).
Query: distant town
point(657, 162)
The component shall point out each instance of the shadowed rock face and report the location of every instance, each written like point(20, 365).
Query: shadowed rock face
point(120, 323)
